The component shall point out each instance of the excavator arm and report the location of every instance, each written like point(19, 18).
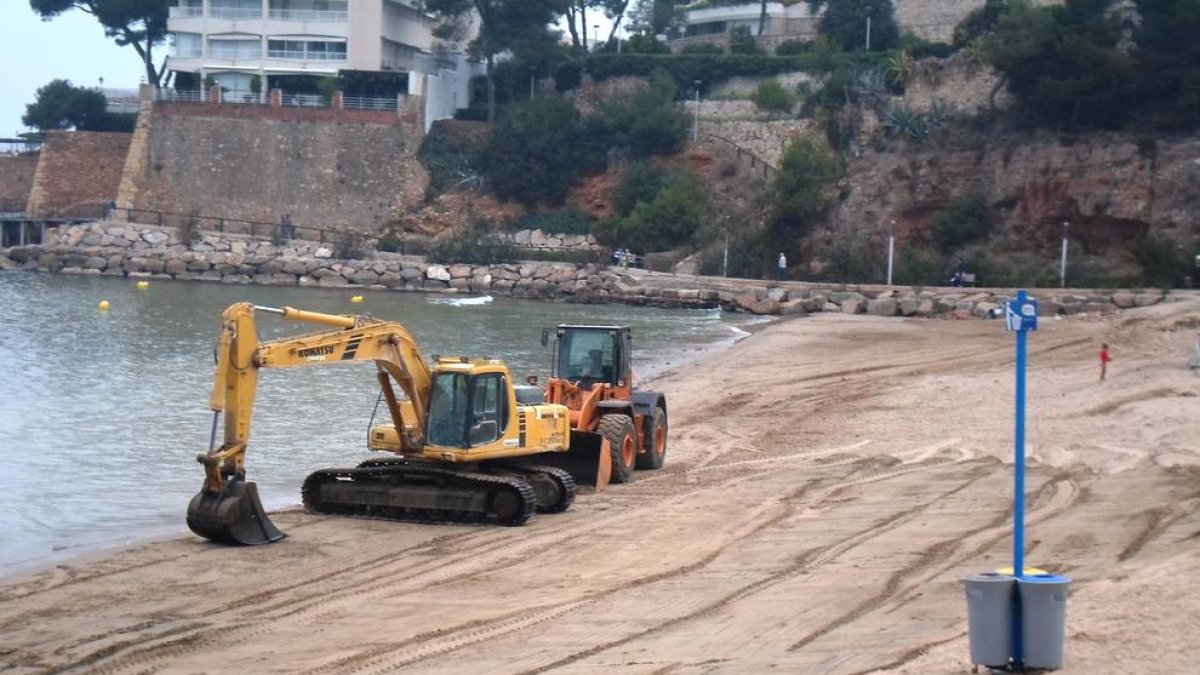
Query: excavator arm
point(227, 507)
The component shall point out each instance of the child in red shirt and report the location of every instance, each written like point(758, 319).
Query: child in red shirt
point(1104, 359)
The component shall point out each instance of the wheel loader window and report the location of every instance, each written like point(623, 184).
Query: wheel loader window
point(587, 356)
point(448, 407)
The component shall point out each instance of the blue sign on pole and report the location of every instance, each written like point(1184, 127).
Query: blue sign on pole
point(1020, 318)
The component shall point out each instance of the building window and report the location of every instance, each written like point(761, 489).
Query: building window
point(234, 49)
point(307, 50)
point(186, 45)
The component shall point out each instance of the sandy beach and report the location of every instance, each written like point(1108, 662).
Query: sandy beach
point(829, 481)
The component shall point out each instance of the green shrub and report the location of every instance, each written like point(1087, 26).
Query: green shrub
point(348, 245)
point(801, 190)
point(965, 220)
point(532, 155)
point(568, 75)
point(791, 48)
point(713, 68)
point(1163, 263)
point(641, 184)
point(474, 245)
point(452, 160)
point(563, 221)
point(189, 228)
point(702, 48)
point(675, 217)
point(390, 242)
point(771, 95)
point(919, 266)
point(645, 123)
point(742, 42)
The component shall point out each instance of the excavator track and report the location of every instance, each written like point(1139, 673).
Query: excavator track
point(404, 490)
point(555, 487)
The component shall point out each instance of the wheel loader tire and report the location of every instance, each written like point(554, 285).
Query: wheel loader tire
point(622, 439)
point(656, 441)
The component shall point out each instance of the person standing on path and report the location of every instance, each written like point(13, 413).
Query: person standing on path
point(782, 265)
point(1104, 359)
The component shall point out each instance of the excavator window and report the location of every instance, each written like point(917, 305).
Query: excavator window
point(467, 411)
point(487, 409)
point(448, 403)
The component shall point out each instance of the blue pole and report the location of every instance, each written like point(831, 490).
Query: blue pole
point(1019, 489)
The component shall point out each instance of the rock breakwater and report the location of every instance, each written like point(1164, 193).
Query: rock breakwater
point(149, 252)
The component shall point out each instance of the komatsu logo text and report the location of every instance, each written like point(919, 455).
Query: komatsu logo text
point(315, 353)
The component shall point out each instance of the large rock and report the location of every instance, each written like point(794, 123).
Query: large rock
point(296, 266)
point(365, 278)
point(459, 271)
point(882, 307)
point(175, 267)
point(438, 273)
point(852, 305)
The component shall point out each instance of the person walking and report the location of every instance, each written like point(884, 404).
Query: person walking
point(782, 265)
point(1104, 359)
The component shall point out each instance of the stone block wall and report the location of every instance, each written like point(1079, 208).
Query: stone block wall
point(256, 163)
point(16, 178)
point(78, 173)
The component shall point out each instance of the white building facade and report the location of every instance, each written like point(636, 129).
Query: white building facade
point(233, 41)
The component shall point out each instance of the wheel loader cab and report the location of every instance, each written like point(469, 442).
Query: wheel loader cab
point(593, 354)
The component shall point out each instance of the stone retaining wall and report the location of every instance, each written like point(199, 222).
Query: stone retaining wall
point(149, 252)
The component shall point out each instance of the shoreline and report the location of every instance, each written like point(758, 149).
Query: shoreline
point(859, 468)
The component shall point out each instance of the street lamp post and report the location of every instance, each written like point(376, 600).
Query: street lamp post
point(696, 117)
point(891, 249)
point(1062, 271)
point(596, 36)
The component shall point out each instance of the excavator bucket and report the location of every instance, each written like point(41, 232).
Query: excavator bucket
point(233, 516)
point(589, 461)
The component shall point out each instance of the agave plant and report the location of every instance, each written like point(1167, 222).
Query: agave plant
point(939, 113)
point(900, 68)
point(902, 120)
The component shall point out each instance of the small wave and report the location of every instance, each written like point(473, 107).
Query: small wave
point(463, 302)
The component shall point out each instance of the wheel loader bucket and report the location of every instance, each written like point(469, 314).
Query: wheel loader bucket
point(233, 516)
point(589, 461)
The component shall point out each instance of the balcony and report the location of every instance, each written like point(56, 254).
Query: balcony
point(309, 15)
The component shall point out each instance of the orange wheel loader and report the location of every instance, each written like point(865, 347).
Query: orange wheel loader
point(615, 427)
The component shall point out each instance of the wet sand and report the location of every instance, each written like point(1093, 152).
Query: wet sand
point(829, 481)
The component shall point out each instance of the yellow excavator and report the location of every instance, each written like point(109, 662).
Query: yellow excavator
point(464, 443)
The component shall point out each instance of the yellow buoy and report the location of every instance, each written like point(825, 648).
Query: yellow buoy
point(103, 305)
point(357, 298)
point(143, 285)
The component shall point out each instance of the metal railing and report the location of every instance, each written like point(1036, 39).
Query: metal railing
point(256, 229)
point(742, 154)
point(309, 15)
point(235, 13)
point(287, 100)
point(177, 95)
point(185, 12)
point(366, 103)
point(303, 55)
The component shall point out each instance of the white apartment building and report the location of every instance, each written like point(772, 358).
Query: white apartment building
point(234, 40)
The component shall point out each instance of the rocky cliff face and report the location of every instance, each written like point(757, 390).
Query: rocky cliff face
point(1112, 188)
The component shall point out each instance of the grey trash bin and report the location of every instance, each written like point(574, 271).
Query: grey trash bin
point(1043, 619)
point(990, 618)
